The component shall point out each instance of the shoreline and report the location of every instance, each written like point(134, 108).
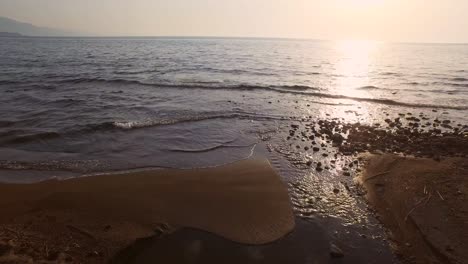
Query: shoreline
point(245, 205)
point(244, 202)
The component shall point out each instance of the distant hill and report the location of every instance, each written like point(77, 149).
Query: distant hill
point(9, 34)
point(8, 25)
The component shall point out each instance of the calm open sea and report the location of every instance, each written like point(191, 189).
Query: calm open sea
point(86, 105)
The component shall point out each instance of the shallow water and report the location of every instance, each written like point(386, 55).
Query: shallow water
point(84, 105)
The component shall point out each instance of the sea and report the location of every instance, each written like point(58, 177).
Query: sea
point(82, 106)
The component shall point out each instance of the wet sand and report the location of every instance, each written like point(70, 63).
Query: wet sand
point(89, 219)
point(242, 212)
point(423, 203)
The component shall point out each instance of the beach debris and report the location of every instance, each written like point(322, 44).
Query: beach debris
point(420, 202)
point(440, 195)
point(376, 175)
point(335, 251)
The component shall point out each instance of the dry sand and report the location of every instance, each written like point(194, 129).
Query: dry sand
point(424, 204)
point(92, 218)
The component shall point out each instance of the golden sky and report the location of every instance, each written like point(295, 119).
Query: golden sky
point(386, 20)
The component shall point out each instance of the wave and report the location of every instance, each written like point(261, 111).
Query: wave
point(18, 139)
point(289, 89)
point(459, 79)
point(391, 74)
point(371, 87)
point(451, 84)
point(292, 89)
point(152, 123)
point(3, 82)
point(381, 101)
point(209, 148)
point(196, 85)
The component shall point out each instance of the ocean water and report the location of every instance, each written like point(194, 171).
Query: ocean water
point(74, 106)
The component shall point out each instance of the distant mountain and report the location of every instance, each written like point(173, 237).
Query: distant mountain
point(8, 25)
point(9, 34)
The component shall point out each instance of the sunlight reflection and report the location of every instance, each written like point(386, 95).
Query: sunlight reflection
point(354, 63)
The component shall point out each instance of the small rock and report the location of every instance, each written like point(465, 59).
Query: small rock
point(337, 138)
point(336, 190)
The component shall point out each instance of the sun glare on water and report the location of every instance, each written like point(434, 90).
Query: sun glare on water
point(353, 66)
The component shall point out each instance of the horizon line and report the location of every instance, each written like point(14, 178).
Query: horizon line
point(238, 37)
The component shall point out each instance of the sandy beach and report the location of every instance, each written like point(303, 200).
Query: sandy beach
point(422, 202)
point(87, 220)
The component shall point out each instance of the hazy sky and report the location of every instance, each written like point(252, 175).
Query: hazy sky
point(393, 20)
